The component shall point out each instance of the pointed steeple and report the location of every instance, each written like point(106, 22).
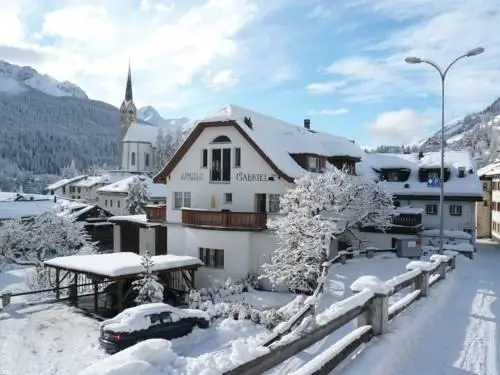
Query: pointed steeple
point(128, 90)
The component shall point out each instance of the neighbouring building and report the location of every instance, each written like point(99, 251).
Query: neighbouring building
point(225, 182)
point(488, 211)
point(62, 188)
point(414, 180)
point(112, 196)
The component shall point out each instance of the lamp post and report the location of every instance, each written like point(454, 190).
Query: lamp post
point(442, 73)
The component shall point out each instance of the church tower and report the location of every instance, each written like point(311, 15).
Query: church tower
point(128, 112)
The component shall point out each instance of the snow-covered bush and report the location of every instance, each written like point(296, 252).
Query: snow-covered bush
point(38, 278)
point(320, 208)
point(149, 287)
point(253, 280)
point(137, 196)
point(31, 242)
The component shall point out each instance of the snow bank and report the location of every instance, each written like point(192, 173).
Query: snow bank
point(439, 258)
point(339, 308)
point(372, 283)
point(450, 253)
point(421, 265)
point(447, 233)
point(119, 264)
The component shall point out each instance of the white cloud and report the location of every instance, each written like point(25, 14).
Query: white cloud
point(324, 87)
point(330, 112)
point(221, 80)
point(438, 30)
point(177, 48)
point(398, 127)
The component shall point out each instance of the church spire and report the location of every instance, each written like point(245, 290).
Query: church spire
point(128, 90)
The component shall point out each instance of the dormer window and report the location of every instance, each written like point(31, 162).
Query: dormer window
point(222, 139)
point(313, 163)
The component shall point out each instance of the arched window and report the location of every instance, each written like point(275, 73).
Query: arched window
point(222, 139)
point(146, 160)
point(132, 158)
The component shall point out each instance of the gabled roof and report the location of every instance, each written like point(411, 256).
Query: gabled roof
point(138, 132)
point(121, 187)
point(489, 170)
point(64, 182)
point(468, 186)
point(273, 139)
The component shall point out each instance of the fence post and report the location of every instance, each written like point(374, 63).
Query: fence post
point(422, 280)
point(6, 299)
point(442, 270)
point(377, 313)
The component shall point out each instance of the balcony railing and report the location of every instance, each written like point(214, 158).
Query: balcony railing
point(224, 219)
point(156, 212)
point(401, 224)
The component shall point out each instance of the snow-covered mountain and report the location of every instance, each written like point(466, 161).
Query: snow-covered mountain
point(16, 79)
point(151, 115)
point(477, 132)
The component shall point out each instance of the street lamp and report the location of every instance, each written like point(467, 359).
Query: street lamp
point(442, 73)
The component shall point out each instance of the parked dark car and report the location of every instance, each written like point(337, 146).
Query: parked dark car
point(149, 321)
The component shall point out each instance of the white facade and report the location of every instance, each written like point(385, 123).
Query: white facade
point(244, 251)
point(113, 202)
point(465, 221)
point(495, 208)
point(137, 156)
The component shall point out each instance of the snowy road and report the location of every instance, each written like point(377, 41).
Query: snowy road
point(454, 331)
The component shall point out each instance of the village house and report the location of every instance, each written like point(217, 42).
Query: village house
point(414, 180)
point(225, 182)
point(488, 211)
point(112, 197)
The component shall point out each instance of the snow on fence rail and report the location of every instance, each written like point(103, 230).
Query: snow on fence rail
point(368, 305)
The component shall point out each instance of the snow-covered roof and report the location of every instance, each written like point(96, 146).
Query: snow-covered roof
point(155, 190)
point(10, 197)
point(278, 139)
point(138, 132)
point(17, 209)
point(468, 186)
point(64, 182)
point(139, 219)
point(489, 170)
point(120, 264)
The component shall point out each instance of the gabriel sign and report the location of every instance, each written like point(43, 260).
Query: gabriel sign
point(253, 177)
point(192, 176)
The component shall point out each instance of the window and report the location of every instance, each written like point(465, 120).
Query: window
point(78, 197)
point(397, 204)
point(182, 199)
point(274, 203)
point(485, 186)
point(146, 160)
point(237, 157)
point(221, 165)
point(260, 203)
point(64, 189)
point(455, 210)
point(222, 139)
point(79, 190)
point(204, 158)
point(106, 203)
point(213, 258)
point(165, 317)
point(110, 203)
point(118, 204)
point(313, 163)
point(154, 319)
point(228, 197)
point(132, 158)
point(431, 209)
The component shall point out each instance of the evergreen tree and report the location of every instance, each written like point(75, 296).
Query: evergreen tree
point(137, 197)
point(149, 287)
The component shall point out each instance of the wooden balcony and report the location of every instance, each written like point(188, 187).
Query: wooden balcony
point(224, 219)
point(401, 224)
point(156, 212)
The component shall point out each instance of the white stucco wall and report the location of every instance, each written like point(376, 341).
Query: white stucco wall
point(202, 190)
point(115, 203)
point(382, 241)
point(147, 240)
point(140, 149)
point(116, 238)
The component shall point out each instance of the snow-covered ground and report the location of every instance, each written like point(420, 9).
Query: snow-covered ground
point(454, 331)
point(56, 339)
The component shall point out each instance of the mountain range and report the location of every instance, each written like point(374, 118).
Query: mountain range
point(47, 124)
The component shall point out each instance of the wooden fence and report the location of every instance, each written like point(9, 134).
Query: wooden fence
point(368, 306)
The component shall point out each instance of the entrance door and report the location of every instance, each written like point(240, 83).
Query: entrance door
point(260, 203)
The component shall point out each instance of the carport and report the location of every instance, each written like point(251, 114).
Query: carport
point(90, 275)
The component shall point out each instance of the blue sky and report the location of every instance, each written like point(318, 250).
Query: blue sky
point(338, 62)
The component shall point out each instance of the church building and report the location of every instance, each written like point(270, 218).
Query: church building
point(137, 140)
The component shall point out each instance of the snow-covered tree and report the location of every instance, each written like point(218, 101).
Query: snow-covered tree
point(31, 242)
point(70, 170)
point(149, 287)
point(320, 208)
point(137, 196)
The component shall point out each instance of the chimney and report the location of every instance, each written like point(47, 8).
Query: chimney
point(461, 172)
point(307, 123)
